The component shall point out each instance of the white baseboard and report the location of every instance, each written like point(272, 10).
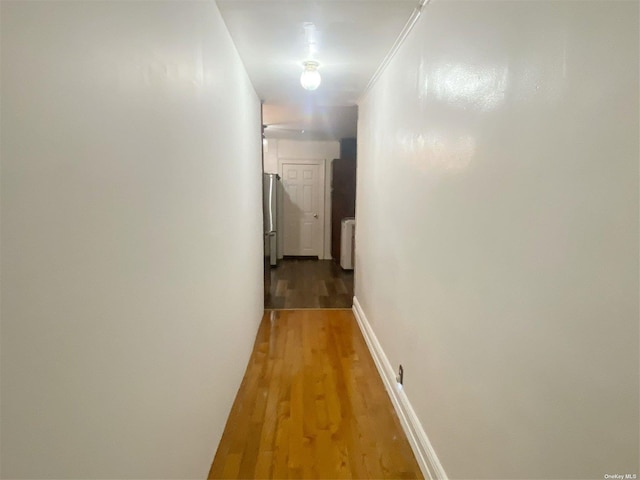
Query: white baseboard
point(422, 448)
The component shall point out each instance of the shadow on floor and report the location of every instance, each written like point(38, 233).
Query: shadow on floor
point(309, 284)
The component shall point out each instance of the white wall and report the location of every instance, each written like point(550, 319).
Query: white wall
point(326, 150)
point(497, 242)
point(131, 237)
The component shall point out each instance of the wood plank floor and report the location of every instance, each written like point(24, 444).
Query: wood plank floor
point(312, 405)
point(309, 284)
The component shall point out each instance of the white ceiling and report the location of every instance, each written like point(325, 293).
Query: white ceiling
point(352, 36)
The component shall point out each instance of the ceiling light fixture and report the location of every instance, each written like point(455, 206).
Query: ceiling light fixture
point(310, 78)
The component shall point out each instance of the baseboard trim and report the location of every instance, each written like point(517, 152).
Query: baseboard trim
point(420, 444)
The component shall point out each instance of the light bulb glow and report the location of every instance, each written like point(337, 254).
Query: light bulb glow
point(310, 78)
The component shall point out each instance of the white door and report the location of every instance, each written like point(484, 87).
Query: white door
point(303, 232)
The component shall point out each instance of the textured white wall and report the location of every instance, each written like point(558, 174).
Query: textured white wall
point(131, 237)
point(497, 242)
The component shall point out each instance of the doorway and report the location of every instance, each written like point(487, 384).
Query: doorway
point(300, 149)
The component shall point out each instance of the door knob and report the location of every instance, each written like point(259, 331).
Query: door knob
point(315, 215)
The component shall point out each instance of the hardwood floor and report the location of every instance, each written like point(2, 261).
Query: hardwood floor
point(309, 284)
point(312, 405)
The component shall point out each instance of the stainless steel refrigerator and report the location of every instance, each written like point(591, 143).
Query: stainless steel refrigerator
point(270, 209)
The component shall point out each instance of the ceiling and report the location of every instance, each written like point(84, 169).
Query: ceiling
point(348, 38)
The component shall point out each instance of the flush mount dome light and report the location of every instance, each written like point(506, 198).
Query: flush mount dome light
point(310, 78)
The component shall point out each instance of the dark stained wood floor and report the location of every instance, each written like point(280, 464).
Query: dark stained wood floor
point(309, 284)
point(312, 405)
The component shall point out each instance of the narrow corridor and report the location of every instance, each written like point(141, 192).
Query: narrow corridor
point(492, 148)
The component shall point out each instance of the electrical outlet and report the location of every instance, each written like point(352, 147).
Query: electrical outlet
point(400, 376)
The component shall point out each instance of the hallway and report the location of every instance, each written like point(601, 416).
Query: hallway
point(312, 405)
point(496, 245)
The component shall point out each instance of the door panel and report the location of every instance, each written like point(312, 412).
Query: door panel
point(307, 237)
point(307, 198)
point(303, 231)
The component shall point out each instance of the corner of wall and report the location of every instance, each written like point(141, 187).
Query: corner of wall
point(423, 450)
